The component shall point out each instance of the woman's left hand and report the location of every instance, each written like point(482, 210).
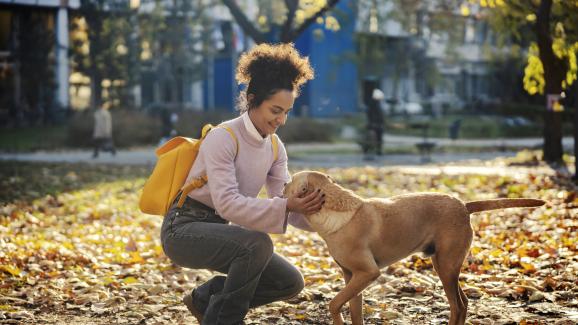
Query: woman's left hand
point(309, 204)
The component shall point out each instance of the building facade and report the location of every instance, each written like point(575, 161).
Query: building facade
point(33, 39)
point(417, 67)
point(424, 67)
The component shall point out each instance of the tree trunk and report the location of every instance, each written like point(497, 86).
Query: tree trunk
point(553, 137)
point(95, 25)
point(16, 107)
point(96, 88)
point(572, 101)
point(244, 22)
point(576, 141)
point(554, 72)
point(292, 6)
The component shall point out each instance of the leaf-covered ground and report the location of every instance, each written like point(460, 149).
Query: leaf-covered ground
point(83, 254)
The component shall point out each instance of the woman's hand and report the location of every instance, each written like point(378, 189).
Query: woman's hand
point(308, 204)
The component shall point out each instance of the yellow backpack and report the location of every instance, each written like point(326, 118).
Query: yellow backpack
point(175, 160)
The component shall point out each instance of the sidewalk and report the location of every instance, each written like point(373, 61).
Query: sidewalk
point(392, 141)
point(320, 155)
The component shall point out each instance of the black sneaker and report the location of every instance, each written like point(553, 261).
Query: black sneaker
point(188, 301)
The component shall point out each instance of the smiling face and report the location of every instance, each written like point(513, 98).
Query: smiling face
point(272, 113)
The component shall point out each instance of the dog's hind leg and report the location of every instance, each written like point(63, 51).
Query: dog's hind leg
point(363, 272)
point(447, 262)
point(355, 304)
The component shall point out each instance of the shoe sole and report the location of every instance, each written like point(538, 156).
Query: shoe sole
point(188, 301)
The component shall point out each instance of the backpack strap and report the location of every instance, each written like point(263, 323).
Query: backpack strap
point(232, 135)
point(202, 180)
point(275, 145)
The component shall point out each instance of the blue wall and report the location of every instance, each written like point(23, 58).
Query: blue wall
point(223, 83)
point(334, 90)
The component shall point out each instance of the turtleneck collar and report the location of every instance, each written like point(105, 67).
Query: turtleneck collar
point(251, 129)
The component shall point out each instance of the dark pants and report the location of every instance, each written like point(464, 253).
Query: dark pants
point(373, 141)
point(104, 144)
point(195, 237)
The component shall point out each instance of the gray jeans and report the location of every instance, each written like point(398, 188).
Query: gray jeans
point(193, 236)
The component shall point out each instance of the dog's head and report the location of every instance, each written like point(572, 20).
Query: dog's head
point(305, 182)
point(340, 204)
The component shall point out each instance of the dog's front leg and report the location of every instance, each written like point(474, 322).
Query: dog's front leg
point(355, 303)
point(360, 279)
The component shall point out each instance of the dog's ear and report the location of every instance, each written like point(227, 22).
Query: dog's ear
point(331, 179)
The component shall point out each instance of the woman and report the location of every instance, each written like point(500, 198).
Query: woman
point(223, 226)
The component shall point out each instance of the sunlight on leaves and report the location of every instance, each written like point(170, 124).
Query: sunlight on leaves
point(88, 252)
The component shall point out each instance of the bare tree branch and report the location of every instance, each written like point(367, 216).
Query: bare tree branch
point(244, 22)
point(293, 34)
point(292, 6)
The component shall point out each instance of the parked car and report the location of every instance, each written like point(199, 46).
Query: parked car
point(393, 105)
point(517, 121)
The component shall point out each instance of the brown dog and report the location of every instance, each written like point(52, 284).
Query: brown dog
point(365, 235)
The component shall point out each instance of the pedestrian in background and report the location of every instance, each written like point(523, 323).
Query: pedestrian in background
point(454, 129)
point(102, 134)
point(374, 133)
point(169, 122)
point(174, 121)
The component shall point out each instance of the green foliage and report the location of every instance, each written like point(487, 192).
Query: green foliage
point(175, 41)
point(278, 21)
point(99, 50)
point(191, 123)
point(113, 44)
point(299, 129)
point(137, 128)
point(482, 126)
point(534, 72)
point(33, 138)
point(516, 19)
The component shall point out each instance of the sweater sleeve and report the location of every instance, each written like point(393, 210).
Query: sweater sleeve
point(277, 177)
point(266, 215)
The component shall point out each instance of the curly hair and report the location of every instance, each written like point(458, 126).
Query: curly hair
point(268, 68)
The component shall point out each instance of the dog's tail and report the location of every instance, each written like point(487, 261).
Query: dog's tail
point(477, 206)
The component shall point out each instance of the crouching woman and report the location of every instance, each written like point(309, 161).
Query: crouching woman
point(223, 226)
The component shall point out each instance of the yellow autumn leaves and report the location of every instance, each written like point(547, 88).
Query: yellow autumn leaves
point(88, 252)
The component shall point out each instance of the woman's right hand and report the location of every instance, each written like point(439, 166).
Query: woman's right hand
point(308, 204)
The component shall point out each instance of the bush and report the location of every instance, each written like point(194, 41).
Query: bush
point(134, 128)
point(296, 129)
point(129, 128)
point(300, 129)
point(32, 138)
point(191, 123)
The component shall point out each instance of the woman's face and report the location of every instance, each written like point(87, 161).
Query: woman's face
point(272, 113)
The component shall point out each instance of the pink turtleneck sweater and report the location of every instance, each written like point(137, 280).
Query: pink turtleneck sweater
point(235, 182)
